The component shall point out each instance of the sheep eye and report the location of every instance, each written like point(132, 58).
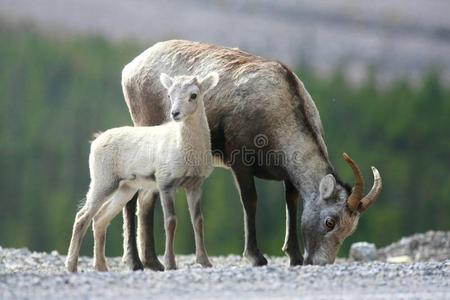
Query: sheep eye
point(193, 96)
point(330, 223)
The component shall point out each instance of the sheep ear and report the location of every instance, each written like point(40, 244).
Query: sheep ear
point(166, 80)
point(209, 81)
point(327, 186)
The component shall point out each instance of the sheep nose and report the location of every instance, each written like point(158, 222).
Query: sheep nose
point(175, 114)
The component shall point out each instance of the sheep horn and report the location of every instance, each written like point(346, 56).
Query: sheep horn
point(370, 198)
point(353, 201)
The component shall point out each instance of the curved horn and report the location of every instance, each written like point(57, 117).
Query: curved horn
point(355, 197)
point(370, 198)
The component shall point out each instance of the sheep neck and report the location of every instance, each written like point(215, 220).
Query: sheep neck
point(194, 131)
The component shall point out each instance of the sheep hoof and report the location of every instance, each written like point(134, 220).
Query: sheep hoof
point(255, 258)
point(154, 265)
point(136, 266)
point(295, 257)
point(170, 265)
point(296, 261)
point(133, 264)
point(71, 266)
point(204, 262)
point(101, 268)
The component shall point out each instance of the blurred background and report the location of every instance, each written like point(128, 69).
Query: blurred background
point(378, 71)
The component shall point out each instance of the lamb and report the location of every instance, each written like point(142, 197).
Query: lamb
point(160, 158)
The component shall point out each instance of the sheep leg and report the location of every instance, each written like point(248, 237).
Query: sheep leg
point(291, 247)
point(101, 221)
point(80, 226)
point(170, 223)
point(246, 184)
point(194, 197)
point(146, 210)
point(130, 252)
point(94, 200)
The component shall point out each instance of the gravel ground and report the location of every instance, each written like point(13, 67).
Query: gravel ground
point(32, 275)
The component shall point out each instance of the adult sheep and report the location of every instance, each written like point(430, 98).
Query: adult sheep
point(259, 107)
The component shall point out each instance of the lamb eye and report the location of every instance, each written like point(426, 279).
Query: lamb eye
point(193, 96)
point(330, 223)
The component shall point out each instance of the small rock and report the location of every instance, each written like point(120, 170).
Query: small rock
point(402, 259)
point(363, 251)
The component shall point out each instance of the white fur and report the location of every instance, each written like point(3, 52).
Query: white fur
point(127, 159)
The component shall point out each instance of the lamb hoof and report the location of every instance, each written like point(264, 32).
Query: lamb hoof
point(170, 265)
point(72, 269)
point(101, 268)
point(204, 262)
point(71, 266)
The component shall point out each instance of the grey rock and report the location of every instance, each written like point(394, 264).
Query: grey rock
point(363, 251)
point(429, 246)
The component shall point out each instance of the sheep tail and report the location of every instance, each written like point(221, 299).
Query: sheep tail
point(95, 135)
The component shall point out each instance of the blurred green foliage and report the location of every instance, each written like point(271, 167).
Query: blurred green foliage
point(56, 92)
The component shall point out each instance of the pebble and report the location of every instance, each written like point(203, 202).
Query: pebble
point(402, 259)
point(363, 251)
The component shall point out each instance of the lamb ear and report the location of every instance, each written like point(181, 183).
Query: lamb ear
point(209, 81)
point(166, 80)
point(327, 186)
